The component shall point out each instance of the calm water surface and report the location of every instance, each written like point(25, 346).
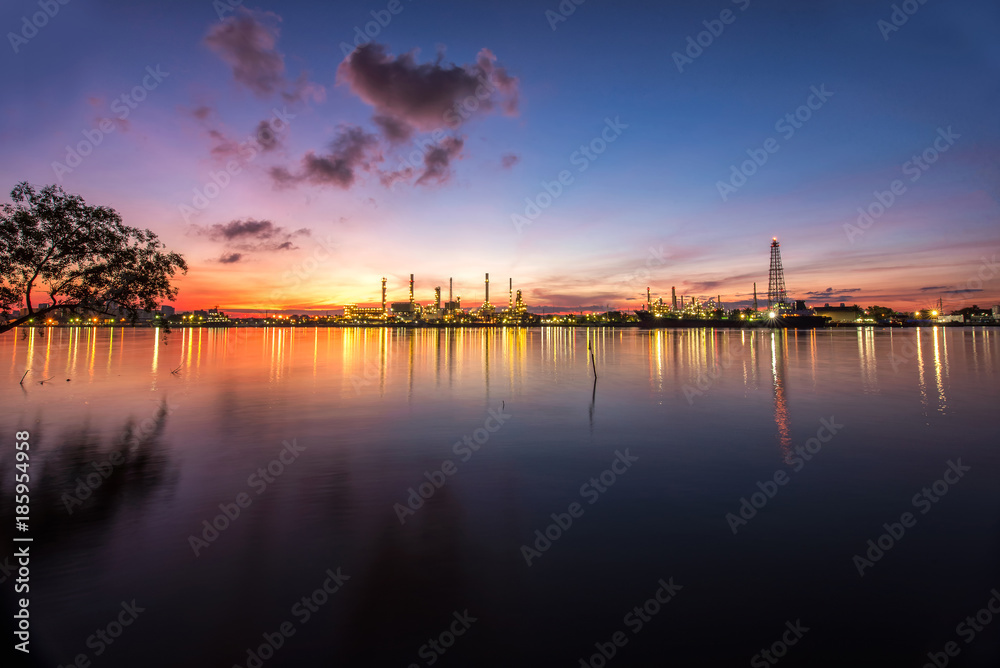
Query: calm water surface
point(328, 437)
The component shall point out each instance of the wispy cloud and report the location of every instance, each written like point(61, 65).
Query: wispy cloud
point(250, 235)
point(247, 42)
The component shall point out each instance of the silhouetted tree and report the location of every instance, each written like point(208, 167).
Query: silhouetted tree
point(82, 257)
point(880, 312)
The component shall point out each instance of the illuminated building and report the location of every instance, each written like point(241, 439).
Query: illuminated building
point(355, 312)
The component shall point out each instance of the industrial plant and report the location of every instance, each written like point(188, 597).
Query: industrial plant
point(450, 312)
point(776, 309)
point(780, 311)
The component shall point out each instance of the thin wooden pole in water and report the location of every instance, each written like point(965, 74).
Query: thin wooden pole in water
point(592, 362)
point(22, 377)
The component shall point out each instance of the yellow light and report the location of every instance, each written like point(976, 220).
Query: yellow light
point(771, 314)
point(916, 314)
point(934, 313)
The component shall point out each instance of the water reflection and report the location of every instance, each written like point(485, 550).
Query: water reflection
point(939, 368)
point(80, 483)
point(380, 407)
point(779, 349)
point(867, 359)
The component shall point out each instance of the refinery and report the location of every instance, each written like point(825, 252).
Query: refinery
point(450, 312)
point(773, 308)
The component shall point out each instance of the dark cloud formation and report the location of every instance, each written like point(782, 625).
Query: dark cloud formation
point(933, 288)
point(251, 235)
point(430, 95)
point(247, 42)
point(223, 147)
point(438, 160)
point(265, 136)
point(230, 258)
point(698, 287)
point(393, 130)
point(433, 168)
point(351, 151)
point(829, 292)
point(508, 160)
point(202, 112)
point(408, 98)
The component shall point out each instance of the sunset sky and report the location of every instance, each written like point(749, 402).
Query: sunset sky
point(419, 150)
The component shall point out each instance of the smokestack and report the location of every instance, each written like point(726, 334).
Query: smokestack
point(673, 297)
point(437, 297)
point(649, 300)
point(487, 289)
point(510, 295)
point(449, 290)
point(383, 295)
point(755, 296)
point(411, 288)
point(718, 300)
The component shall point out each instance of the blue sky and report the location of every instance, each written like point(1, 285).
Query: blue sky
point(647, 211)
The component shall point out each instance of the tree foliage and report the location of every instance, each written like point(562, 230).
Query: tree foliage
point(55, 248)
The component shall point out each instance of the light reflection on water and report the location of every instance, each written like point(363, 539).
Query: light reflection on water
point(708, 412)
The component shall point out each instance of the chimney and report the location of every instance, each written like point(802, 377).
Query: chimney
point(411, 288)
point(383, 295)
point(673, 297)
point(487, 289)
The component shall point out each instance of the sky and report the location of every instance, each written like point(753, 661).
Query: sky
point(295, 153)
